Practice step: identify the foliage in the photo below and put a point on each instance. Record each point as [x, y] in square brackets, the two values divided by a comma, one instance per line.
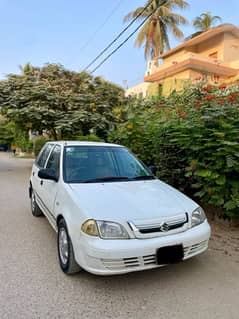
[59, 102]
[205, 21]
[193, 140]
[38, 144]
[22, 141]
[154, 32]
[6, 132]
[11, 134]
[89, 138]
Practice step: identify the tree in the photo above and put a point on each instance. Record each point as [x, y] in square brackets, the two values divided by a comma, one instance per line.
[154, 33]
[26, 69]
[62, 102]
[6, 132]
[205, 21]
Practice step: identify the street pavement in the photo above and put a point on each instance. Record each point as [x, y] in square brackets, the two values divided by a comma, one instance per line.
[33, 286]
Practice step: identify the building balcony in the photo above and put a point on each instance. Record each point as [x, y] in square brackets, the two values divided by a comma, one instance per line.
[189, 61]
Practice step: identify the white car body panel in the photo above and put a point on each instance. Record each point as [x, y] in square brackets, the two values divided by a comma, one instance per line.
[137, 200]
[105, 257]
[140, 202]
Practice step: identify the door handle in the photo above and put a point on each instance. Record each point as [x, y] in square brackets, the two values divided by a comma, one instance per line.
[33, 173]
[41, 182]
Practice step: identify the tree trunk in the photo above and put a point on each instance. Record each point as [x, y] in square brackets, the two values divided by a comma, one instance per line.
[54, 134]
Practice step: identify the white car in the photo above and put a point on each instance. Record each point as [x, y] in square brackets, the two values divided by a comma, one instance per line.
[111, 214]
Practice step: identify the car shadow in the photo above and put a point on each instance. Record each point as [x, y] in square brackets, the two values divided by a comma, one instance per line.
[140, 279]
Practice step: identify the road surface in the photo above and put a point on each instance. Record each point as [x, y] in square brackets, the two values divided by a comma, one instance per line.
[33, 286]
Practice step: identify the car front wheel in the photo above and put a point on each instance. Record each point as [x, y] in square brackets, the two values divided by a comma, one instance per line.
[65, 250]
[34, 207]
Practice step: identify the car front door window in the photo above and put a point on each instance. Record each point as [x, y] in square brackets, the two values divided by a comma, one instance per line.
[49, 188]
[39, 164]
[54, 160]
[41, 159]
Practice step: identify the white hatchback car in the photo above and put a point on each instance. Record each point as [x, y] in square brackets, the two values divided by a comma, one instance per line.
[112, 215]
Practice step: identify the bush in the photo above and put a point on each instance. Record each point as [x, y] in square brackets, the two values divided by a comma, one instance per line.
[38, 144]
[193, 138]
[21, 140]
[89, 138]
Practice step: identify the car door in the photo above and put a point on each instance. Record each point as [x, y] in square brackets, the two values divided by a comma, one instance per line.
[39, 164]
[49, 188]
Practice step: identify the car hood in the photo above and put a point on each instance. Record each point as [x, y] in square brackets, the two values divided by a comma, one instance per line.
[135, 200]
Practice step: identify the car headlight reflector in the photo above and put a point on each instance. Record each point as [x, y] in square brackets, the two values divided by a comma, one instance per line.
[111, 230]
[90, 228]
[198, 216]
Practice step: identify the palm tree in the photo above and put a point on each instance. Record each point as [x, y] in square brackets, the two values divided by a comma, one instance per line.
[205, 21]
[29, 70]
[26, 68]
[154, 32]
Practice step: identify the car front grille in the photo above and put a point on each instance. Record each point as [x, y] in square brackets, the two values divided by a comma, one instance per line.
[191, 250]
[156, 229]
[162, 227]
[132, 262]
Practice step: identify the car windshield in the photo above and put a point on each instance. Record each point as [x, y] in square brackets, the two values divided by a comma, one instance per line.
[92, 164]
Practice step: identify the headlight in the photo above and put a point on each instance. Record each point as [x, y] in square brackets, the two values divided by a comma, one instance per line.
[110, 230]
[90, 228]
[198, 216]
[104, 229]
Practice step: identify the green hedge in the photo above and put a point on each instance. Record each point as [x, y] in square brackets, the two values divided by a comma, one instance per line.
[193, 138]
[21, 140]
[88, 138]
[38, 144]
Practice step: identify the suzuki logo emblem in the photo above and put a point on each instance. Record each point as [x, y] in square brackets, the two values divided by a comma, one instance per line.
[164, 227]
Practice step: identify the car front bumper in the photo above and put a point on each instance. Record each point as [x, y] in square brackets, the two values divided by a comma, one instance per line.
[108, 257]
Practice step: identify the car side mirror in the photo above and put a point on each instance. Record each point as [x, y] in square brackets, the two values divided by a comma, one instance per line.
[48, 173]
[153, 169]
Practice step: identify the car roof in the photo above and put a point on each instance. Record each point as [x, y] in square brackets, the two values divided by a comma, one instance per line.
[83, 143]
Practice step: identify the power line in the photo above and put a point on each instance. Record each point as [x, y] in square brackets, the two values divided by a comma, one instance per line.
[118, 36]
[102, 25]
[131, 34]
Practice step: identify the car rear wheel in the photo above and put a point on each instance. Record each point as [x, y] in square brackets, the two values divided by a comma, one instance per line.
[34, 207]
[65, 250]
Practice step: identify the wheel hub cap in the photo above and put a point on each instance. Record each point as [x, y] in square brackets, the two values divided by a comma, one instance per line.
[33, 202]
[63, 245]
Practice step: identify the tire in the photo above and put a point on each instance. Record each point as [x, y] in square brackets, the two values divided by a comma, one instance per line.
[65, 250]
[36, 212]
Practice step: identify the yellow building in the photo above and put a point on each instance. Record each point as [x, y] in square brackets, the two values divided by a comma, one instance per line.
[211, 56]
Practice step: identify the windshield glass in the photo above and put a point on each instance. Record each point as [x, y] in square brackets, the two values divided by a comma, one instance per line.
[85, 164]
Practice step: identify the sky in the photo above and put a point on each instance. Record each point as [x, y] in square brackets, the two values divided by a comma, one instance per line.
[73, 32]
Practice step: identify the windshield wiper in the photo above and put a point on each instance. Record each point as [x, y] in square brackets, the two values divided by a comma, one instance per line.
[117, 179]
[143, 177]
[106, 179]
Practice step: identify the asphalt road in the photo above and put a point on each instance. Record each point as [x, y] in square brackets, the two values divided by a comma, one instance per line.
[33, 286]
